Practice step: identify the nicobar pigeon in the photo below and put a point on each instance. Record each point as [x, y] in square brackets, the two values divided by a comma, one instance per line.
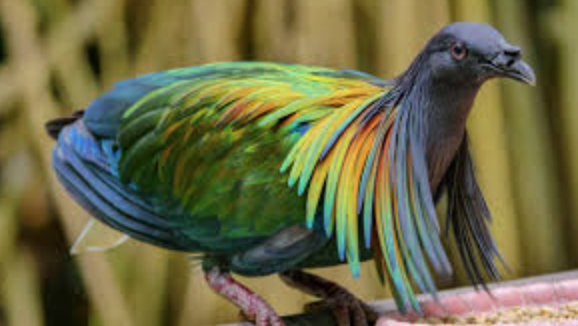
[265, 168]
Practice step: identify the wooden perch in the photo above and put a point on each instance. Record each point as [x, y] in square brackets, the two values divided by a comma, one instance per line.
[385, 307]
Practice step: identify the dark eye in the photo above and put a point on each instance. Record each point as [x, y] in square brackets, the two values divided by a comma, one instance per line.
[458, 51]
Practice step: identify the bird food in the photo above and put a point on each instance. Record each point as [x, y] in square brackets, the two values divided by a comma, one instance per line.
[515, 315]
[544, 300]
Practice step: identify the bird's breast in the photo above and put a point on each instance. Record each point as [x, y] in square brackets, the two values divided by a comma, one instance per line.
[440, 154]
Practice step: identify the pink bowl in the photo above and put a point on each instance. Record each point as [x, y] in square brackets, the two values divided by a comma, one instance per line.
[551, 291]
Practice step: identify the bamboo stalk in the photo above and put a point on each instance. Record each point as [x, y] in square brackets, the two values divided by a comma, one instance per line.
[18, 21]
[153, 53]
[218, 38]
[9, 227]
[21, 292]
[403, 28]
[366, 18]
[568, 112]
[325, 33]
[68, 35]
[274, 30]
[74, 75]
[148, 293]
[113, 41]
[532, 153]
[397, 42]
[10, 140]
[65, 37]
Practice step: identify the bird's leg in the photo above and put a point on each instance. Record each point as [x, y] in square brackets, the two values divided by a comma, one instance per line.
[253, 306]
[347, 308]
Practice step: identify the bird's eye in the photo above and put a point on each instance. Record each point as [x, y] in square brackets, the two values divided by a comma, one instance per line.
[458, 51]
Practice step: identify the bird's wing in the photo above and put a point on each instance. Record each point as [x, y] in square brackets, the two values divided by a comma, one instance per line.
[210, 141]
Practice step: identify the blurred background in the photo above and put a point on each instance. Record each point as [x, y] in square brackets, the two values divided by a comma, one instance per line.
[57, 55]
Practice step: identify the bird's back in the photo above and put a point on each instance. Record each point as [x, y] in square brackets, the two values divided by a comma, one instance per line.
[190, 158]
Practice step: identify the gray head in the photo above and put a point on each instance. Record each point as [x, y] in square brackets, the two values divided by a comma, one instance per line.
[466, 53]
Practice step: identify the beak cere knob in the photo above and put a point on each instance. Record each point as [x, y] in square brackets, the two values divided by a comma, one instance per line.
[509, 64]
[512, 55]
[514, 52]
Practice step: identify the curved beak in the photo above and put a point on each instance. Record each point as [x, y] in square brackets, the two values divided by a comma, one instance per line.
[520, 71]
[509, 64]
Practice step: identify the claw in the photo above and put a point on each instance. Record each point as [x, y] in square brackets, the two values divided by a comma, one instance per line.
[347, 309]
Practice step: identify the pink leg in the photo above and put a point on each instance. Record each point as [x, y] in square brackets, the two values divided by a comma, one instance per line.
[347, 308]
[252, 305]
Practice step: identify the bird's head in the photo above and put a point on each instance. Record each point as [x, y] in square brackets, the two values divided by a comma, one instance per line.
[464, 53]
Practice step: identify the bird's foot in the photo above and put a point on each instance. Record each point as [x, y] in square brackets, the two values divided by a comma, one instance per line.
[346, 307]
[347, 310]
[253, 307]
